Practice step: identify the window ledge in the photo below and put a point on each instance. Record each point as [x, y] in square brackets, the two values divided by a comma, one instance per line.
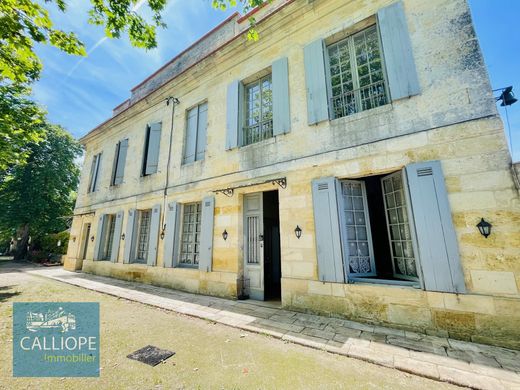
[363, 114]
[268, 141]
[390, 282]
[193, 163]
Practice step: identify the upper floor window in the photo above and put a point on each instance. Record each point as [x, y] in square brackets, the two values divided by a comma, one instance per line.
[94, 173]
[258, 123]
[119, 162]
[151, 149]
[196, 129]
[357, 79]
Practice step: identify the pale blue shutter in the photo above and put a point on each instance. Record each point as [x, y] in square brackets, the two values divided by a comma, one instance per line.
[170, 235]
[121, 160]
[281, 109]
[316, 82]
[327, 230]
[436, 239]
[95, 173]
[153, 242]
[99, 239]
[129, 236]
[206, 236]
[232, 109]
[154, 145]
[202, 128]
[397, 50]
[191, 136]
[117, 236]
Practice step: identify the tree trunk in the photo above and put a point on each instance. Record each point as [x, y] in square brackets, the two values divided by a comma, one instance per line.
[21, 247]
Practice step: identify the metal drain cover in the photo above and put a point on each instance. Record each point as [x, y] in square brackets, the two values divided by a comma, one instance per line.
[151, 355]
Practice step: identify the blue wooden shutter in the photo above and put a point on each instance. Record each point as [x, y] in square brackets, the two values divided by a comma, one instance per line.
[155, 226]
[117, 236]
[232, 109]
[121, 160]
[129, 236]
[202, 127]
[316, 82]
[170, 235]
[397, 50]
[96, 166]
[99, 239]
[436, 239]
[154, 145]
[206, 236]
[191, 136]
[281, 109]
[327, 230]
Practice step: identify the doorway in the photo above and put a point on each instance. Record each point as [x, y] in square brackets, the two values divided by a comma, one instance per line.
[86, 238]
[262, 263]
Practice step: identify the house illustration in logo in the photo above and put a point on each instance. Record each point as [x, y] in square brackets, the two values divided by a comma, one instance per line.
[57, 319]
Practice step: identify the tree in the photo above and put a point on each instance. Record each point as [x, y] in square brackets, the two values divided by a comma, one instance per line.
[37, 198]
[22, 122]
[26, 22]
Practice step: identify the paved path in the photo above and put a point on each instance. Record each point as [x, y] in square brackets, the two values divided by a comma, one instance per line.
[462, 363]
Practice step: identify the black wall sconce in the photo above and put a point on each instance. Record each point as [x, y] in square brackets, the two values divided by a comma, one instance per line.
[123, 236]
[92, 238]
[484, 227]
[73, 238]
[225, 234]
[298, 232]
[162, 232]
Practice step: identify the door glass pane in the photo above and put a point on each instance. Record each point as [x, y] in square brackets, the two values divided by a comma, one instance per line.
[143, 235]
[398, 227]
[253, 252]
[109, 238]
[356, 215]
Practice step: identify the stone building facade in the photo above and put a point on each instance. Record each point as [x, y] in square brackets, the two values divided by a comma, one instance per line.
[340, 164]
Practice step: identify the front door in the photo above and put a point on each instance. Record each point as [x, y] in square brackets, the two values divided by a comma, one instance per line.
[254, 245]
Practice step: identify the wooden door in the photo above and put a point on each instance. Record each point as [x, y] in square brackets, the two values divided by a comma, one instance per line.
[254, 245]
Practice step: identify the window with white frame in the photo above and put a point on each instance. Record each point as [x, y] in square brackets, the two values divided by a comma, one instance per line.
[109, 229]
[190, 234]
[143, 236]
[356, 74]
[258, 124]
[376, 228]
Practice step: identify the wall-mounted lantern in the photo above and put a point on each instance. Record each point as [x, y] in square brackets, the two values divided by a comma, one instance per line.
[123, 236]
[225, 234]
[298, 232]
[92, 238]
[73, 238]
[484, 227]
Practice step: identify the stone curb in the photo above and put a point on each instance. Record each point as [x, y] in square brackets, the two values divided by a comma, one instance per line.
[443, 369]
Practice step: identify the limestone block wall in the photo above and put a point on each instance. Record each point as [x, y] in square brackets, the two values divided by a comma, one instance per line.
[454, 120]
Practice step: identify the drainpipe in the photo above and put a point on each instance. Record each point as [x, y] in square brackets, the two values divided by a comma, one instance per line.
[174, 102]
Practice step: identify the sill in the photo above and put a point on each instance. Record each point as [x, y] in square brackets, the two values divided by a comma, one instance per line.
[192, 163]
[363, 114]
[267, 141]
[138, 262]
[187, 266]
[391, 282]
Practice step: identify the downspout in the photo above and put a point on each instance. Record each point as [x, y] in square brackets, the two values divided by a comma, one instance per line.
[173, 101]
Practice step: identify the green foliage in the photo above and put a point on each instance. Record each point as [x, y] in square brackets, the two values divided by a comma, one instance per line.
[247, 5]
[22, 122]
[49, 243]
[26, 23]
[39, 195]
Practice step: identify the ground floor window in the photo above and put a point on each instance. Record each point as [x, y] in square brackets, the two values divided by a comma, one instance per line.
[190, 234]
[109, 228]
[143, 236]
[375, 224]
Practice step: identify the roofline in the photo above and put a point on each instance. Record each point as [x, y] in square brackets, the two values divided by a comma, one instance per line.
[267, 16]
[235, 14]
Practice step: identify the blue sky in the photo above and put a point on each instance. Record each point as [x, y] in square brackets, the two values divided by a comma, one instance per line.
[81, 93]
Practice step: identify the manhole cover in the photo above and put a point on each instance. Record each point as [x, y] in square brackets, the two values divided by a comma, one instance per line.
[151, 355]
